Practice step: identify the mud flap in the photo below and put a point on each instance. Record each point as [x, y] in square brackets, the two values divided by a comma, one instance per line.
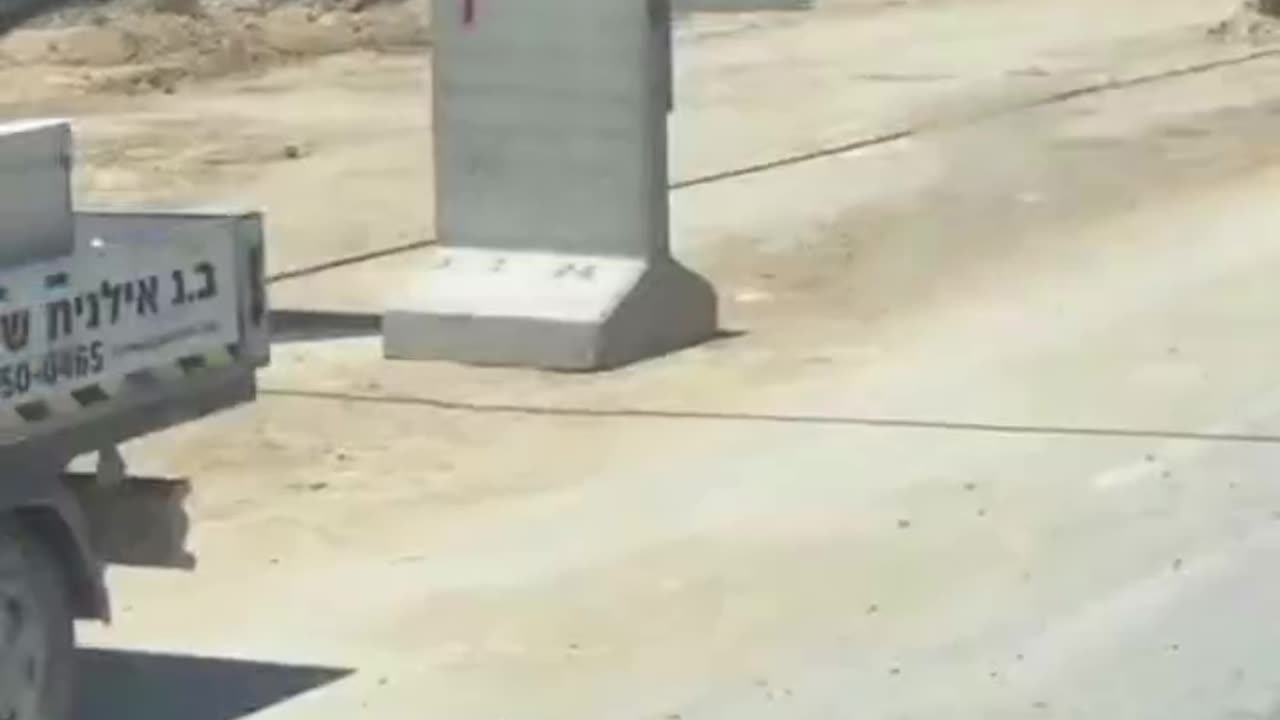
[140, 522]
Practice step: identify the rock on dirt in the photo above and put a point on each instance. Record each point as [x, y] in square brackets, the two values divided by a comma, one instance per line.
[1256, 20]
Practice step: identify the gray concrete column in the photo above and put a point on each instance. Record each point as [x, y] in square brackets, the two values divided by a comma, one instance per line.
[551, 182]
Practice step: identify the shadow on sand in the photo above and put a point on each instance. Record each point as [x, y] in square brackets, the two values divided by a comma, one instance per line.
[293, 326]
[118, 685]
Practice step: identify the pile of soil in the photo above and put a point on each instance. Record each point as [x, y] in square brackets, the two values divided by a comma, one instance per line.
[141, 45]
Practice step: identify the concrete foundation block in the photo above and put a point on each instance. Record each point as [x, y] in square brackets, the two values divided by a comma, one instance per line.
[550, 310]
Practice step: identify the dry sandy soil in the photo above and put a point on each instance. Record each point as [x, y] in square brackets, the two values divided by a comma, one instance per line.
[998, 439]
[143, 46]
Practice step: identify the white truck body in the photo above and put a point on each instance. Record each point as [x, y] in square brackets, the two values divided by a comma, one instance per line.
[112, 326]
[143, 304]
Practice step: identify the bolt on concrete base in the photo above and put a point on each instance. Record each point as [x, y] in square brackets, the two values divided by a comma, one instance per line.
[550, 310]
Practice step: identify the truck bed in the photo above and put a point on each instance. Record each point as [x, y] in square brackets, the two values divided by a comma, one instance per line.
[153, 319]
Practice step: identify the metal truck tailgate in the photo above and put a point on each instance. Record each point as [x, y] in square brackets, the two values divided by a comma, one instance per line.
[145, 308]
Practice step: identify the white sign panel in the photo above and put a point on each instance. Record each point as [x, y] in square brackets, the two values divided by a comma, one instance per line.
[111, 310]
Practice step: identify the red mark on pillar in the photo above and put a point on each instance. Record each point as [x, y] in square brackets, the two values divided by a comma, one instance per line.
[468, 12]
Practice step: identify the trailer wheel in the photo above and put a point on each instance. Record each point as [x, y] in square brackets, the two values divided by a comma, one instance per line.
[37, 634]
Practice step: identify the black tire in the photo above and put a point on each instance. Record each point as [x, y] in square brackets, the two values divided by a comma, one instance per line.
[37, 630]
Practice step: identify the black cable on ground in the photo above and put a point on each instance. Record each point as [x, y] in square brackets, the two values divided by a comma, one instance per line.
[779, 418]
[349, 260]
[845, 147]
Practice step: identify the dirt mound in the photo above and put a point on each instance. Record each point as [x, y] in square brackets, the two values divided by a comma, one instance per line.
[154, 47]
[1255, 21]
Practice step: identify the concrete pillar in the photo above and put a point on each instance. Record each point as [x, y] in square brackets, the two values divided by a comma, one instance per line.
[551, 182]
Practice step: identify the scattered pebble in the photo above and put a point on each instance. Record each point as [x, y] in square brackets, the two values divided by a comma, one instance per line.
[904, 524]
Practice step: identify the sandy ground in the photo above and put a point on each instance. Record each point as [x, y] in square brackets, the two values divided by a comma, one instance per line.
[996, 439]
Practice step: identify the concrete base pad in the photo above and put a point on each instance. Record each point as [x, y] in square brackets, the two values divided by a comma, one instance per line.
[549, 310]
